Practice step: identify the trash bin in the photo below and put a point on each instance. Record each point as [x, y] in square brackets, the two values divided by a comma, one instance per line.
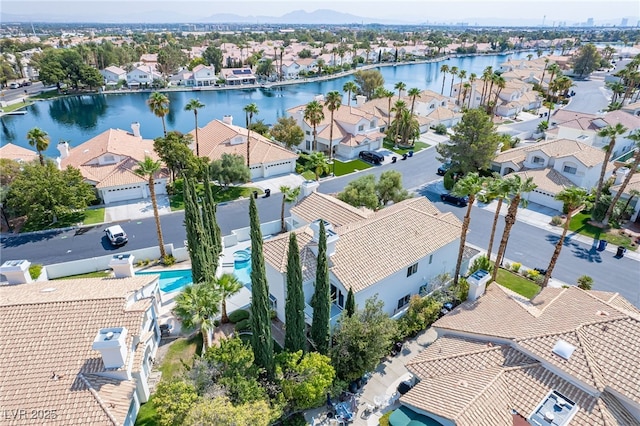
[404, 156]
[602, 244]
[267, 193]
[621, 251]
[255, 194]
[410, 153]
[393, 159]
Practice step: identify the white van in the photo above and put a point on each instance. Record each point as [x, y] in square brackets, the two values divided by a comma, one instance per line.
[14, 85]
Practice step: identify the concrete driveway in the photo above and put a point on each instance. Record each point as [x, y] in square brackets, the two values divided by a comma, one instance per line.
[130, 210]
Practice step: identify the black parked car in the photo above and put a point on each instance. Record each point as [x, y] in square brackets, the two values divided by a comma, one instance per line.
[371, 157]
[442, 170]
[453, 199]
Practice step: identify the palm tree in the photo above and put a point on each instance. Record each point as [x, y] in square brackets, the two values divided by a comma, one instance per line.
[197, 306]
[544, 71]
[444, 69]
[289, 195]
[314, 115]
[159, 106]
[317, 162]
[617, 88]
[553, 69]
[486, 76]
[612, 133]
[333, 102]
[350, 87]
[400, 86]
[462, 74]
[148, 169]
[413, 93]
[227, 285]
[389, 95]
[496, 189]
[632, 194]
[517, 187]
[454, 72]
[501, 84]
[194, 105]
[573, 199]
[250, 110]
[635, 136]
[398, 107]
[468, 186]
[39, 139]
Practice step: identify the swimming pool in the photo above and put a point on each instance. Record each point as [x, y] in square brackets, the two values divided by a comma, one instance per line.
[174, 280]
[242, 266]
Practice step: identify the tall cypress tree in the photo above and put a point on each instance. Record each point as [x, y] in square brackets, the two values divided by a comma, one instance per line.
[321, 301]
[261, 340]
[350, 306]
[294, 338]
[211, 225]
[196, 237]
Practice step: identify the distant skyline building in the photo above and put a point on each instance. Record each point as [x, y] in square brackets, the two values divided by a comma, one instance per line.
[590, 22]
[624, 22]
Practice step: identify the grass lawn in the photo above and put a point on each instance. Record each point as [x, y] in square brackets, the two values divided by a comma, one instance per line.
[14, 107]
[309, 175]
[181, 351]
[520, 285]
[220, 195]
[98, 274]
[342, 168]
[147, 414]
[417, 147]
[579, 223]
[92, 216]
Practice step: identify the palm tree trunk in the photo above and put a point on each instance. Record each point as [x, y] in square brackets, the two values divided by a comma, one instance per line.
[224, 318]
[249, 149]
[331, 139]
[195, 112]
[627, 179]
[41, 157]
[607, 156]
[556, 252]
[509, 220]
[493, 228]
[164, 127]
[463, 238]
[154, 203]
[283, 228]
[626, 205]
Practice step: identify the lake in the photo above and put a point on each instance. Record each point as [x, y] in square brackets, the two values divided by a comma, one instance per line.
[79, 118]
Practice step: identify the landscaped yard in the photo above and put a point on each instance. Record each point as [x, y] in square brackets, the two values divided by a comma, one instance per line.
[98, 274]
[520, 285]
[579, 223]
[417, 147]
[92, 216]
[221, 195]
[14, 107]
[85, 217]
[344, 168]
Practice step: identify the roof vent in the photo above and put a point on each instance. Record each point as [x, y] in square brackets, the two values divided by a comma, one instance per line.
[555, 409]
[563, 349]
[463, 384]
[111, 342]
[602, 313]
[48, 290]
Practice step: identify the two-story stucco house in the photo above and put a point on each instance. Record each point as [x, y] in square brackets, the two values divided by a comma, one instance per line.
[394, 253]
[78, 351]
[238, 76]
[293, 68]
[142, 76]
[113, 75]
[108, 162]
[354, 131]
[553, 165]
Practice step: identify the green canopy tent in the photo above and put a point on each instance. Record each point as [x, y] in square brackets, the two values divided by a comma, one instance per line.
[404, 416]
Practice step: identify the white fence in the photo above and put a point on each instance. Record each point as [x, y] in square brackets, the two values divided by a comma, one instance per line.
[243, 234]
[101, 263]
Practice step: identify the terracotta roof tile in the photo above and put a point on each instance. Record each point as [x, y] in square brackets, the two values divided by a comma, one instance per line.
[331, 209]
[548, 180]
[18, 153]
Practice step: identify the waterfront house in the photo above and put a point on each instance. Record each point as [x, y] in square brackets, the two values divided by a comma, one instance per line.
[113, 75]
[142, 76]
[268, 159]
[200, 76]
[108, 162]
[292, 69]
[394, 253]
[567, 357]
[354, 131]
[238, 76]
[584, 128]
[17, 153]
[554, 165]
[78, 351]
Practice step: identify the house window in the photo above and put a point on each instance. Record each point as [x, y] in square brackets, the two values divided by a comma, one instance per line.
[430, 259]
[569, 169]
[372, 125]
[538, 160]
[361, 127]
[340, 299]
[308, 132]
[334, 293]
[404, 301]
[412, 269]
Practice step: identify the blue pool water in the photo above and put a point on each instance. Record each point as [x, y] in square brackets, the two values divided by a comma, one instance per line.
[178, 279]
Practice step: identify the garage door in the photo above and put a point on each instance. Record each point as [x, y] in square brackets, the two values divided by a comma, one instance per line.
[279, 168]
[122, 194]
[544, 199]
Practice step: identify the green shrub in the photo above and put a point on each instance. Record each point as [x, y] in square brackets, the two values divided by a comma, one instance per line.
[461, 291]
[585, 282]
[556, 220]
[440, 129]
[168, 260]
[243, 325]
[295, 420]
[449, 181]
[515, 267]
[532, 274]
[480, 262]
[422, 312]
[239, 315]
[538, 279]
[384, 420]
[35, 270]
[273, 314]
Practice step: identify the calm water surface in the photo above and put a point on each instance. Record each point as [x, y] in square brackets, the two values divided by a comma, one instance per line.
[79, 118]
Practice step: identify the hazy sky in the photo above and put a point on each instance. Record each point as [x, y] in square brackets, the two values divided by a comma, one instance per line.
[408, 11]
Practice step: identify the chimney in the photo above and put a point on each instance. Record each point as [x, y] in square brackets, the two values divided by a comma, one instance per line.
[477, 284]
[620, 174]
[135, 129]
[360, 100]
[63, 147]
[16, 271]
[319, 98]
[122, 265]
[112, 344]
[332, 237]
[228, 119]
[308, 186]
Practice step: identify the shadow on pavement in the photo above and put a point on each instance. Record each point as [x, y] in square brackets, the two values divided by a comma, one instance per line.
[18, 240]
